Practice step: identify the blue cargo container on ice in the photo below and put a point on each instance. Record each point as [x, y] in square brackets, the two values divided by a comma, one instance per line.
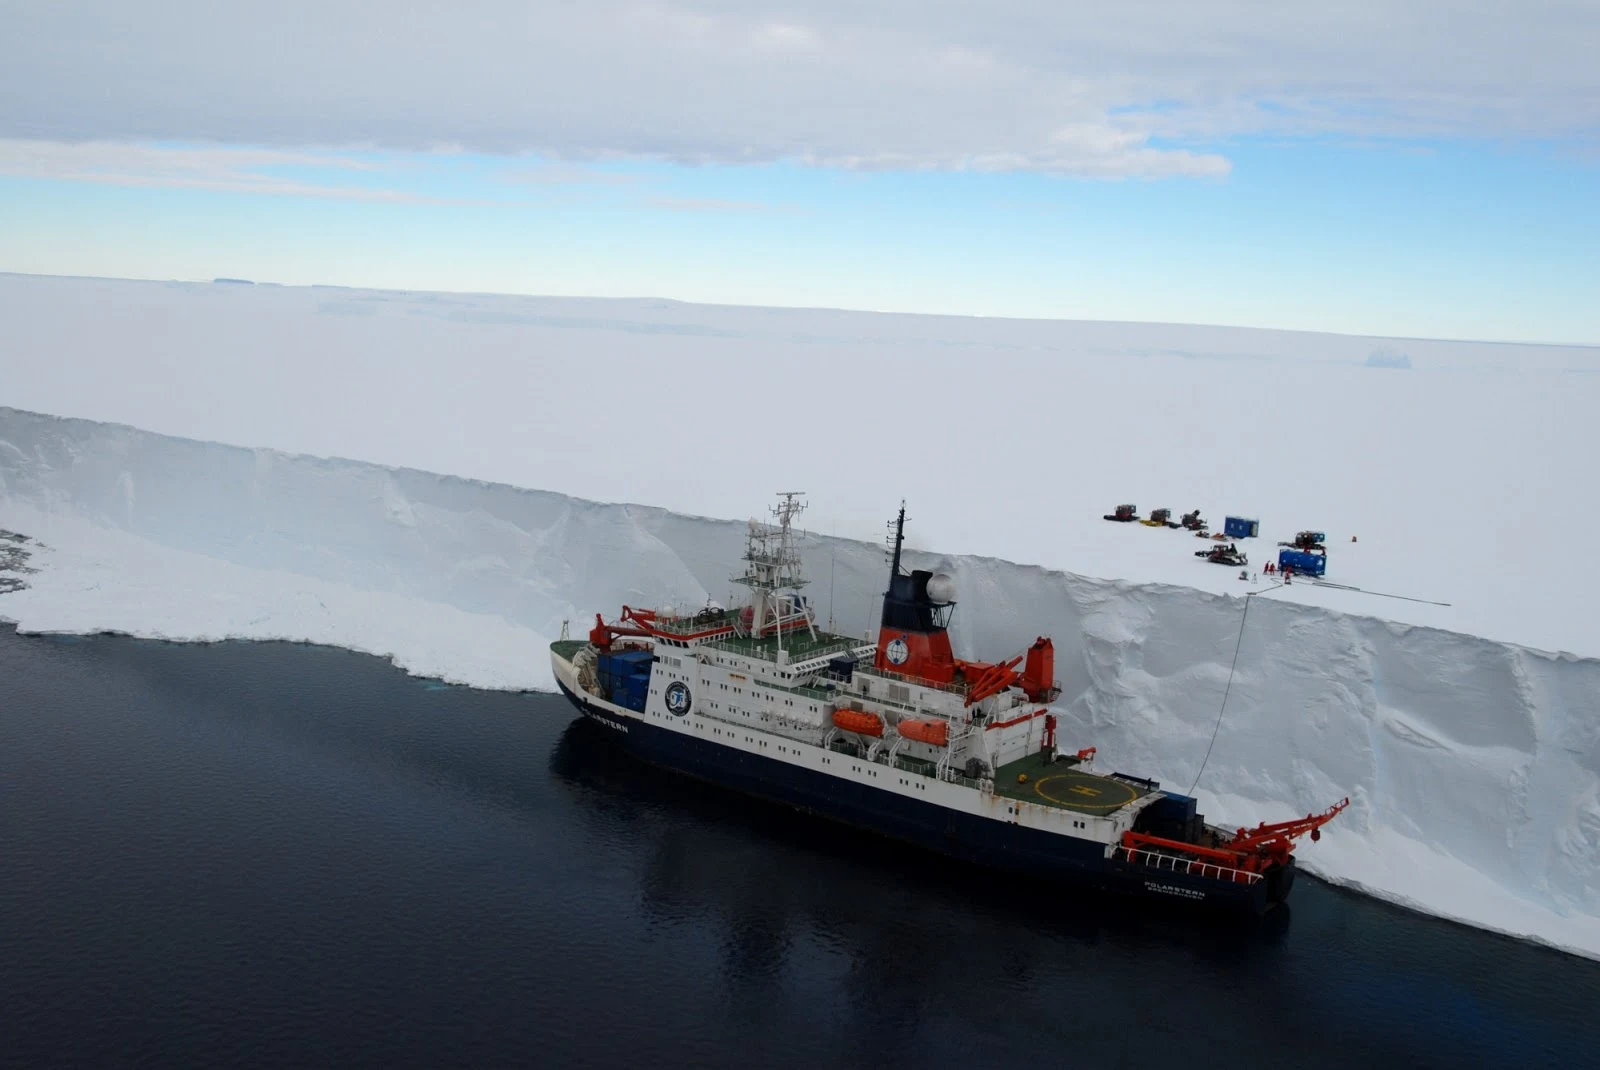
[1303, 562]
[1237, 527]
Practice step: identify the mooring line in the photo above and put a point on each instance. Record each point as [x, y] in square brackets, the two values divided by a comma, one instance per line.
[1237, 643]
[1380, 594]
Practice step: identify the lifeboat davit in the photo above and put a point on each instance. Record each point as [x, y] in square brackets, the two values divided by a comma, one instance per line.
[860, 721]
[936, 733]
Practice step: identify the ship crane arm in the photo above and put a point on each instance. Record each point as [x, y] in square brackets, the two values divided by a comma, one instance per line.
[1277, 840]
[1252, 850]
[602, 634]
[991, 679]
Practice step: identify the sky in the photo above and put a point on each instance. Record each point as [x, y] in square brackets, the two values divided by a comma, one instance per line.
[1412, 170]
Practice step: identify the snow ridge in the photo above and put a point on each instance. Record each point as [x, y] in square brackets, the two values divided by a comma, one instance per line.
[1473, 765]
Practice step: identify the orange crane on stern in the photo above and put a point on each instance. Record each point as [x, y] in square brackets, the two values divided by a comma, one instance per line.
[1251, 850]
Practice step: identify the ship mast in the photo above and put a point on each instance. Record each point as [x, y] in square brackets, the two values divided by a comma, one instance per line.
[897, 539]
[772, 565]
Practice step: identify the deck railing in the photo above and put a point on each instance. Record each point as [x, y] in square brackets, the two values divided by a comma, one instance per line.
[919, 766]
[952, 777]
[770, 653]
[1192, 866]
[696, 622]
[885, 674]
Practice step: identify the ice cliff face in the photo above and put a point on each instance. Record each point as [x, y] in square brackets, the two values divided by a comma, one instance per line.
[1473, 766]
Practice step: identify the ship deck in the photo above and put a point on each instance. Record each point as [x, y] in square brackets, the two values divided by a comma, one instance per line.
[567, 648]
[798, 645]
[1062, 785]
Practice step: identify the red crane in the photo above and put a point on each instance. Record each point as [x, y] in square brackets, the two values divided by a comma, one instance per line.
[1250, 850]
[1275, 842]
[602, 633]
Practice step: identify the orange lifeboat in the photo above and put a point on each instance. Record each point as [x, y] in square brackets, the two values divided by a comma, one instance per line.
[936, 733]
[867, 724]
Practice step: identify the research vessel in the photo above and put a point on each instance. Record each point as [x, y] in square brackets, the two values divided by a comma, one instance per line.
[900, 737]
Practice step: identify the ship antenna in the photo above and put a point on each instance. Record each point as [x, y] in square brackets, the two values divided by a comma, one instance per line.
[899, 539]
[832, 552]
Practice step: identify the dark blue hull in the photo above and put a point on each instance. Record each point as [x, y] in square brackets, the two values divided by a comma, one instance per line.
[968, 837]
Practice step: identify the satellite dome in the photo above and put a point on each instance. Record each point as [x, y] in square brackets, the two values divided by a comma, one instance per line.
[941, 588]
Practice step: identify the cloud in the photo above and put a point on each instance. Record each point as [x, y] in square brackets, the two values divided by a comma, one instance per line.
[223, 168]
[544, 173]
[1054, 86]
[711, 204]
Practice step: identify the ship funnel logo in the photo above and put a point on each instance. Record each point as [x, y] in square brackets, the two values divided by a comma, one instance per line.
[897, 651]
[678, 699]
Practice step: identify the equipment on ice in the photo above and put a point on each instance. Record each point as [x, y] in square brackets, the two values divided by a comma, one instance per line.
[1224, 555]
[1238, 527]
[1304, 562]
[1308, 540]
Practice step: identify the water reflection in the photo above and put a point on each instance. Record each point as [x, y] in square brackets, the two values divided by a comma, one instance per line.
[901, 945]
[284, 854]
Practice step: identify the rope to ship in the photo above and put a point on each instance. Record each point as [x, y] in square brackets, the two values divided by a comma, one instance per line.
[1237, 643]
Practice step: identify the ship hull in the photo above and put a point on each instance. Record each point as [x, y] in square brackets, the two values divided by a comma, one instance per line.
[968, 837]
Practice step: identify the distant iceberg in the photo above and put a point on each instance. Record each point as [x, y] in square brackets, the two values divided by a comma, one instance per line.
[1385, 357]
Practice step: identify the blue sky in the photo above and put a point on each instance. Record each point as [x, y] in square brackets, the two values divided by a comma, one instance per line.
[894, 170]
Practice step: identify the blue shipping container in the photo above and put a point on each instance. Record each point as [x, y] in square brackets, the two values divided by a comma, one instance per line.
[1237, 527]
[626, 663]
[1175, 808]
[1303, 562]
[629, 701]
[629, 690]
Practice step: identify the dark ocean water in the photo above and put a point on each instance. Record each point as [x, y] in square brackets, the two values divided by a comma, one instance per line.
[282, 855]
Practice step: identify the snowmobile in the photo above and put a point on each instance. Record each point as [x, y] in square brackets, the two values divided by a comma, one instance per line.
[1307, 540]
[1224, 555]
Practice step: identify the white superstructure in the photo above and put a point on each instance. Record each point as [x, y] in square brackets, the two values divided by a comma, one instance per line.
[899, 735]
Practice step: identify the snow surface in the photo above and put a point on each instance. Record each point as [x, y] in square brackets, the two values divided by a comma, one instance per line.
[1464, 468]
[1473, 764]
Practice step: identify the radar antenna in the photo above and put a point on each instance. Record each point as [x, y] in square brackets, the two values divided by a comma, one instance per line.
[772, 564]
[896, 539]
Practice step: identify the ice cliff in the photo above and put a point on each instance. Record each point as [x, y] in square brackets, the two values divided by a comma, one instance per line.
[1473, 765]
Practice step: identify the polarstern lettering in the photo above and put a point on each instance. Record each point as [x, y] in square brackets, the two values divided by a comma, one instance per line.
[603, 719]
[1173, 889]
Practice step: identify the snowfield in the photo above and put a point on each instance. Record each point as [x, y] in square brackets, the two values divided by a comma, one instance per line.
[1473, 765]
[1450, 686]
[1463, 476]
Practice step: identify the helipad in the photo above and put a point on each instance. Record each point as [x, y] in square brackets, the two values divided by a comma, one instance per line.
[1061, 784]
